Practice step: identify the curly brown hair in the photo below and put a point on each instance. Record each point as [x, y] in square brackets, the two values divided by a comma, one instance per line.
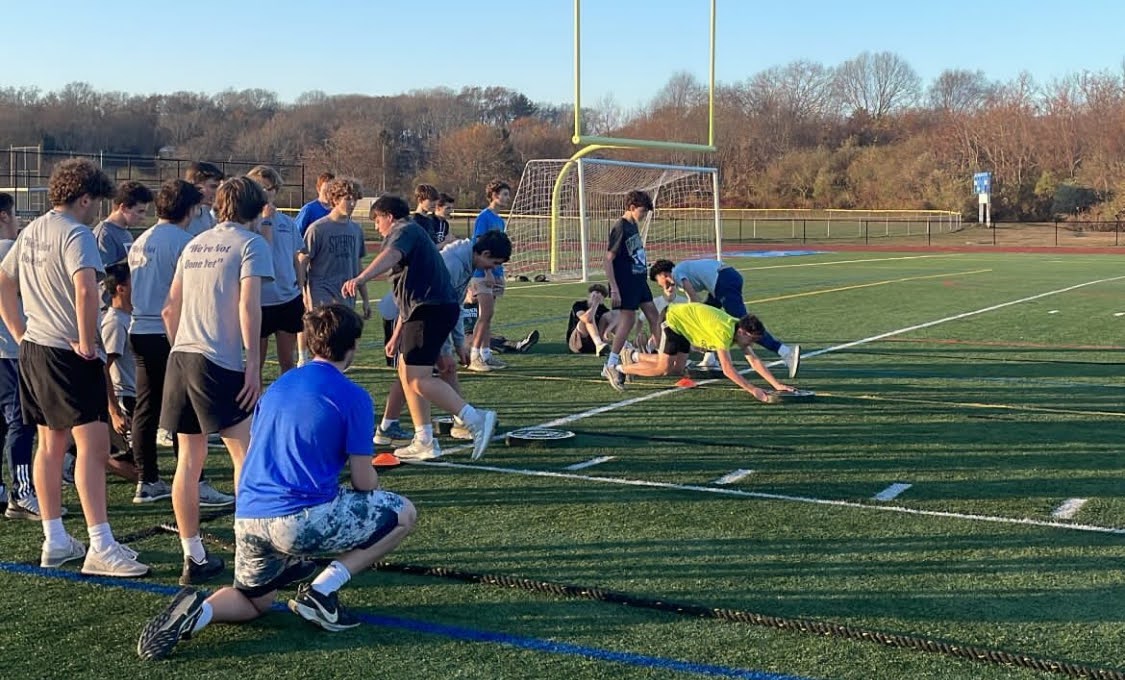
[342, 187]
[77, 177]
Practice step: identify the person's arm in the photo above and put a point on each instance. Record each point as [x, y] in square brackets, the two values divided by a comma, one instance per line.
[172, 308]
[250, 322]
[87, 299]
[689, 291]
[761, 369]
[391, 348]
[385, 261]
[735, 377]
[364, 477]
[10, 307]
[116, 416]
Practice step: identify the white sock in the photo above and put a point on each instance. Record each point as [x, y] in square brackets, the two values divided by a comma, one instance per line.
[101, 537]
[387, 424]
[207, 611]
[784, 350]
[457, 421]
[425, 435]
[54, 532]
[193, 548]
[330, 580]
[468, 414]
[620, 368]
[474, 353]
[486, 353]
[614, 359]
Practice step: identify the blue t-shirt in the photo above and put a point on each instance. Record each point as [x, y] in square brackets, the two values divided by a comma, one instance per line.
[488, 221]
[309, 213]
[305, 427]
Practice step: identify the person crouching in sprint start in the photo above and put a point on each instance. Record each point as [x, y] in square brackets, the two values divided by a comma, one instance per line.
[309, 424]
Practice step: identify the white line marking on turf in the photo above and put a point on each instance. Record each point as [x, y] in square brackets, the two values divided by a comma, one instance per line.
[891, 492]
[1069, 508]
[726, 491]
[582, 415]
[590, 463]
[732, 477]
[1053, 311]
[1120, 314]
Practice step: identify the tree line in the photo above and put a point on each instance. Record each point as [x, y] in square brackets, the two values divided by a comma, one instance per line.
[866, 133]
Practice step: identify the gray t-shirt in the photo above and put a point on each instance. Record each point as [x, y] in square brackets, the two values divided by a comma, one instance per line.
[286, 244]
[8, 347]
[420, 278]
[114, 242]
[152, 263]
[210, 271]
[202, 221]
[46, 256]
[115, 339]
[334, 249]
[458, 257]
[701, 274]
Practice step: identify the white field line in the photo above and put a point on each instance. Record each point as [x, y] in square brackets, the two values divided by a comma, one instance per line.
[582, 415]
[891, 492]
[726, 491]
[732, 477]
[589, 463]
[1069, 508]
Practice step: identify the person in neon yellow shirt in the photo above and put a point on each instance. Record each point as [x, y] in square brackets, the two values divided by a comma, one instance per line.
[709, 328]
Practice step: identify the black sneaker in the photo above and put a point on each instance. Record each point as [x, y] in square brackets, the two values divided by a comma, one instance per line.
[195, 573]
[527, 343]
[173, 624]
[295, 573]
[321, 610]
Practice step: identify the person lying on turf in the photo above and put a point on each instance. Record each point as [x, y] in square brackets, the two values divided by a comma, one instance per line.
[708, 328]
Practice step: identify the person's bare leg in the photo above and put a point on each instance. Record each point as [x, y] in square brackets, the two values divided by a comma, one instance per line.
[286, 351]
[396, 399]
[625, 318]
[653, 317]
[237, 440]
[264, 351]
[91, 442]
[422, 389]
[185, 484]
[47, 471]
[229, 605]
[654, 365]
[482, 333]
[447, 371]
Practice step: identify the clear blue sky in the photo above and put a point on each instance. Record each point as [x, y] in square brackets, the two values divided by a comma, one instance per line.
[630, 47]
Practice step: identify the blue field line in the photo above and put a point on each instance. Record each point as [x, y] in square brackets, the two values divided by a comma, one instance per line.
[428, 628]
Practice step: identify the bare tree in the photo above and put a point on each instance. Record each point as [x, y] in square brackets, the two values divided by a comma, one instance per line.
[960, 91]
[878, 84]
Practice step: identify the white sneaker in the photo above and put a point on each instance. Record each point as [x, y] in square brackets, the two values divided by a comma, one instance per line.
[461, 431]
[55, 557]
[164, 437]
[792, 358]
[26, 507]
[210, 497]
[479, 365]
[115, 561]
[416, 450]
[482, 431]
[495, 364]
[710, 362]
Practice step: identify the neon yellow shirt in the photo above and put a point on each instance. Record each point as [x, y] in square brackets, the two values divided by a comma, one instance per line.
[704, 326]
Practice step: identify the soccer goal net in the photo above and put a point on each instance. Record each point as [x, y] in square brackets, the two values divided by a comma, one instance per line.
[563, 211]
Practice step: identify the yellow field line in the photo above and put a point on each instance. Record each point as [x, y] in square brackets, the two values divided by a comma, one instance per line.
[839, 289]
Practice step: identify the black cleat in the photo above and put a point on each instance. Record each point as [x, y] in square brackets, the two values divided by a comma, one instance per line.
[161, 634]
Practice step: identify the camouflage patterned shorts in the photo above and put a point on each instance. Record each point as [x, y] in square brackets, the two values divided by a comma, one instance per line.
[264, 548]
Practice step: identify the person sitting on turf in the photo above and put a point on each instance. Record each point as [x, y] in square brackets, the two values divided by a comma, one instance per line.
[590, 322]
[711, 329]
[311, 423]
[722, 285]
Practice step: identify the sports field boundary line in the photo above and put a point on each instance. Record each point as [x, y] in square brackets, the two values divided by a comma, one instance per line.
[869, 284]
[444, 630]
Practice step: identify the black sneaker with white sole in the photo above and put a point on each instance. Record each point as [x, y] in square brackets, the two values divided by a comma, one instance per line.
[320, 610]
[527, 343]
[195, 573]
[175, 623]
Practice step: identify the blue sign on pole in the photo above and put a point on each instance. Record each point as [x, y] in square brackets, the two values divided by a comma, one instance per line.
[982, 182]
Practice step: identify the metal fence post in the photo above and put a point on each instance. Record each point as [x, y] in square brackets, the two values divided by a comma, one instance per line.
[804, 231]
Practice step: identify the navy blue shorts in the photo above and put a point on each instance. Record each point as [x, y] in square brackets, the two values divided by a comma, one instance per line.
[728, 293]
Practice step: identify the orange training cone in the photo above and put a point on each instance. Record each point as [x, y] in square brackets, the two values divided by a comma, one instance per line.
[385, 460]
[686, 382]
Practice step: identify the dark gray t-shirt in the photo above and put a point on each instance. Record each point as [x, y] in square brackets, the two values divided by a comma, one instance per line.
[421, 277]
[152, 263]
[115, 339]
[8, 347]
[334, 249]
[286, 244]
[211, 270]
[46, 256]
[114, 242]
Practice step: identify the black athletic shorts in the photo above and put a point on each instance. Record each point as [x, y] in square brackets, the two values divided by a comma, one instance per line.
[634, 292]
[425, 332]
[60, 389]
[672, 343]
[200, 397]
[288, 317]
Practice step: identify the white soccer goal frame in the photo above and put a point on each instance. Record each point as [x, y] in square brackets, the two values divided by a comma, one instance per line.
[581, 166]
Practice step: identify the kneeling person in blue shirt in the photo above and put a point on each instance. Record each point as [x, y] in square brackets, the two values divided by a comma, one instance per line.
[309, 425]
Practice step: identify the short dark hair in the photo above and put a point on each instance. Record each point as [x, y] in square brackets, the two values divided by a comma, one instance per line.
[638, 199]
[116, 274]
[132, 193]
[494, 187]
[598, 288]
[752, 325]
[394, 206]
[425, 192]
[7, 203]
[660, 267]
[239, 199]
[198, 173]
[77, 177]
[445, 199]
[176, 199]
[323, 178]
[495, 242]
[332, 330]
